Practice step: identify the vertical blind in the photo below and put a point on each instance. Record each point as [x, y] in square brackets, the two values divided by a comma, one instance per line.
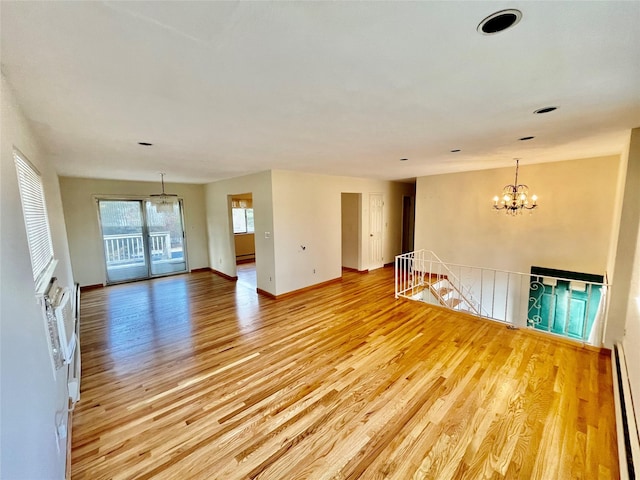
[35, 216]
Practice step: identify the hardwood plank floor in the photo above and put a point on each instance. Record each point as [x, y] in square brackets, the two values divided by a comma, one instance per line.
[197, 377]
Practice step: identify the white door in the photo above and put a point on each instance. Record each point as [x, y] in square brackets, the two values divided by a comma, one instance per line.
[375, 230]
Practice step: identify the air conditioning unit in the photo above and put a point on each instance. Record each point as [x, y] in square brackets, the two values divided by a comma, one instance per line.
[62, 314]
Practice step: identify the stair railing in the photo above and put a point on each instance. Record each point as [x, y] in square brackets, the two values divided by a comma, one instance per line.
[472, 305]
[429, 259]
[520, 299]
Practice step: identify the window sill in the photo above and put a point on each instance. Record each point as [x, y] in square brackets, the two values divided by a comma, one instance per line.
[47, 275]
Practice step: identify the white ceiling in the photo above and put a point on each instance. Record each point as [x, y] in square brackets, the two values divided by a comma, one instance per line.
[224, 89]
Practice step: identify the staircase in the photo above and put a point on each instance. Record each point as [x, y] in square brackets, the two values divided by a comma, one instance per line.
[445, 293]
[422, 276]
[572, 308]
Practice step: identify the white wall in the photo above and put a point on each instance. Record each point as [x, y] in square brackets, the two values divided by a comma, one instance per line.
[624, 313]
[569, 231]
[351, 229]
[83, 229]
[220, 232]
[307, 212]
[632, 333]
[297, 210]
[245, 244]
[30, 395]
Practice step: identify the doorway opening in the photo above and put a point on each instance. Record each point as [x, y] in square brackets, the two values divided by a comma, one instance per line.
[408, 223]
[141, 241]
[351, 205]
[244, 244]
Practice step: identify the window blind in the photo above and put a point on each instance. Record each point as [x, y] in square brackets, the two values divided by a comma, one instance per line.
[36, 220]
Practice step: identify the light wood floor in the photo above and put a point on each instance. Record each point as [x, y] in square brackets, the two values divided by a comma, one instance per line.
[196, 377]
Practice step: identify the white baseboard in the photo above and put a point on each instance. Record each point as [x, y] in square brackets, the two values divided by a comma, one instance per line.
[626, 427]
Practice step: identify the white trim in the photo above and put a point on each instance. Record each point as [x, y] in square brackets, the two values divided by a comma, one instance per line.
[45, 278]
[623, 378]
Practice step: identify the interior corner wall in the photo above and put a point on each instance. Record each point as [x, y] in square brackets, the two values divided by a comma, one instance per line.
[570, 230]
[30, 395]
[307, 213]
[624, 310]
[83, 227]
[632, 331]
[627, 239]
[219, 227]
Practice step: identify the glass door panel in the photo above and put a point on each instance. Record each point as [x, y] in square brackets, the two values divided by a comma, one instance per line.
[123, 230]
[166, 238]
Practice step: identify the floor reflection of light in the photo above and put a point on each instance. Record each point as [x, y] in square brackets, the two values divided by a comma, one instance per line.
[247, 307]
[145, 320]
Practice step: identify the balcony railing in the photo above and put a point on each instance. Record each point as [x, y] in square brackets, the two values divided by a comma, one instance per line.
[128, 249]
[560, 306]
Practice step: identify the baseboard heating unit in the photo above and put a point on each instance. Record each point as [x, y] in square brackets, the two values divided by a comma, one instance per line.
[627, 429]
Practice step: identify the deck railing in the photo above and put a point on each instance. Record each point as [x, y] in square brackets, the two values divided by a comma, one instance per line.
[560, 306]
[125, 249]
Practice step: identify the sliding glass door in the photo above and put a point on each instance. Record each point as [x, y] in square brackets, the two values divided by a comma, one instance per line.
[123, 239]
[141, 240]
[166, 240]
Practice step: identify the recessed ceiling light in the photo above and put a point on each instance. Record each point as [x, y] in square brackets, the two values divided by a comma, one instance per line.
[404, 159]
[455, 150]
[499, 21]
[526, 138]
[145, 144]
[545, 110]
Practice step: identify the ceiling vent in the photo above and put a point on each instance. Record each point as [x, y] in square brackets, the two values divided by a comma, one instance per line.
[499, 21]
[545, 110]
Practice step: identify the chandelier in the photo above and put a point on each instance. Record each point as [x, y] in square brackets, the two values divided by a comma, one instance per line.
[164, 202]
[515, 198]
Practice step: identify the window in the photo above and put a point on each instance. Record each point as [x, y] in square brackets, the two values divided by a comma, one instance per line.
[242, 220]
[36, 221]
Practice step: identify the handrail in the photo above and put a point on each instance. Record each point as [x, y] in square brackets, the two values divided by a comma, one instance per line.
[568, 307]
[133, 235]
[126, 248]
[509, 271]
[471, 301]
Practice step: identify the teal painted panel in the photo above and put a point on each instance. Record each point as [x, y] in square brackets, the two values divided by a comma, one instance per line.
[563, 311]
[576, 317]
[548, 311]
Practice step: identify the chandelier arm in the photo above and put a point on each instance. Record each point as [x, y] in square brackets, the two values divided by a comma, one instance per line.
[515, 197]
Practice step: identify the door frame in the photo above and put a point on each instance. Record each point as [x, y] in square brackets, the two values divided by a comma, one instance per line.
[377, 264]
[359, 242]
[145, 235]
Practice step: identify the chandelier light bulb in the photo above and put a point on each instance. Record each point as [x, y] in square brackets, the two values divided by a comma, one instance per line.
[515, 197]
[164, 202]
